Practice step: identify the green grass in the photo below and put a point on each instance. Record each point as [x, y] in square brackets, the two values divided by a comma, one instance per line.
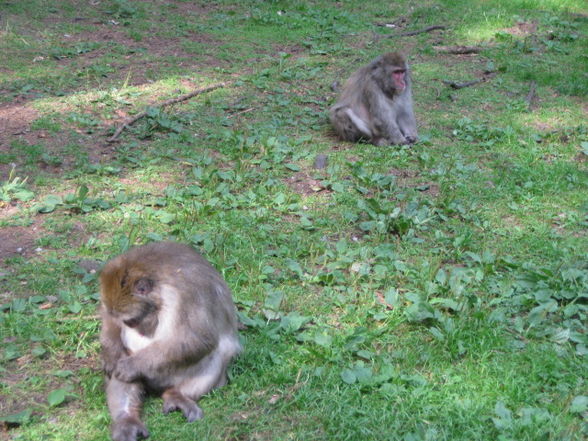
[437, 292]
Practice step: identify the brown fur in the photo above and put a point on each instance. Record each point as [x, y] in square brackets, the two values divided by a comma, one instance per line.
[169, 326]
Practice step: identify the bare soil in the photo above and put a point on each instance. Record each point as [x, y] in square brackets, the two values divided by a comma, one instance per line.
[302, 183]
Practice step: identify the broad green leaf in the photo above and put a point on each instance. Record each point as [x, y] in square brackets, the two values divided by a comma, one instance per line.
[579, 404]
[75, 307]
[323, 339]
[49, 204]
[38, 351]
[348, 376]
[17, 418]
[56, 397]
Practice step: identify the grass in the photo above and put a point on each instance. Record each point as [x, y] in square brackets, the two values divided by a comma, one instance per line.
[437, 292]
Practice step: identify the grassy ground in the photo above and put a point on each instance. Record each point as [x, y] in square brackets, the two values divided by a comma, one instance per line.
[433, 292]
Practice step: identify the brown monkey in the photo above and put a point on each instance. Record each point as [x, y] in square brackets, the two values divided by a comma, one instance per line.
[376, 104]
[168, 327]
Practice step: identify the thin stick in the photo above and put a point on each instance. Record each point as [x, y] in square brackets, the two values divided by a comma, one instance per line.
[455, 85]
[459, 50]
[531, 96]
[421, 31]
[241, 112]
[179, 99]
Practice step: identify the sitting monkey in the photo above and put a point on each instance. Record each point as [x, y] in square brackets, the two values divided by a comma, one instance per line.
[376, 104]
[168, 327]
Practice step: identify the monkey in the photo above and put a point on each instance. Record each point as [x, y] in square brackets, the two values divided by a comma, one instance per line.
[376, 104]
[169, 327]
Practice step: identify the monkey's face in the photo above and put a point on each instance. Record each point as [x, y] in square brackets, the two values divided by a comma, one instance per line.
[129, 298]
[399, 78]
[391, 73]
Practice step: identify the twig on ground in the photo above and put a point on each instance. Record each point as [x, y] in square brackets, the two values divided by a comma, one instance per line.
[179, 99]
[232, 115]
[420, 31]
[531, 96]
[459, 50]
[455, 85]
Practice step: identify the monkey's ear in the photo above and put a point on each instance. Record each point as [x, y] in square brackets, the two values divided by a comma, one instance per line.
[143, 286]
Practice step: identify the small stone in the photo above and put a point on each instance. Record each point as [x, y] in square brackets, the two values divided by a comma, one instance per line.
[320, 161]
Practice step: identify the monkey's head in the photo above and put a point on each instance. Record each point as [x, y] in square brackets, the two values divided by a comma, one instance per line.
[128, 291]
[390, 71]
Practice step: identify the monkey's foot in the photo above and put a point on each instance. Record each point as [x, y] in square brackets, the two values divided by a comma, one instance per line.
[128, 429]
[173, 400]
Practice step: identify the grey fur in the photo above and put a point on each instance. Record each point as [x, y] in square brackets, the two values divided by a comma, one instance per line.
[371, 108]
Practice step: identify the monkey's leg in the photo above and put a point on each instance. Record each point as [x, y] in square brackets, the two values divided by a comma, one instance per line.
[124, 403]
[358, 124]
[208, 374]
[173, 399]
[345, 122]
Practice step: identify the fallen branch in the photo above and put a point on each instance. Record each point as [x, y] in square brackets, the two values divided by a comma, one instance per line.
[179, 99]
[531, 96]
[232, 115]
[421, 31]
[455, 85]
[459, 50]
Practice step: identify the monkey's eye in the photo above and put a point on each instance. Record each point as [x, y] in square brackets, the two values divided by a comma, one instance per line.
[399, 71]
[143, 287]
[132, 323]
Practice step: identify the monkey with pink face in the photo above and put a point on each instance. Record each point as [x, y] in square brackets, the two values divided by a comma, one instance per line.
[376, 104]
[169, 327]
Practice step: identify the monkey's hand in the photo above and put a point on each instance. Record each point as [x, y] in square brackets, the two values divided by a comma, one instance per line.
[109, 359]
[128, 429]
[127, 370]
[380, 142]
[411, 139]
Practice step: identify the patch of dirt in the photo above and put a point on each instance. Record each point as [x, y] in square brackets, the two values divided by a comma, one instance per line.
[339, 147]
[543, 126]
[156, 186]
[302, 183]
[407, 179]
[52, 145]
[133, 66]
[153, 44]
[292, 49]
[197, 8]
[403, 173]
[428, 188]
[18, 241]
[15, 125]
[78, 235]
[15, 119]
[522, 28]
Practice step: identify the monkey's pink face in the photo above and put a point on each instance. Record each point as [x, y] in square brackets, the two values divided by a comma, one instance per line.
[398, 76]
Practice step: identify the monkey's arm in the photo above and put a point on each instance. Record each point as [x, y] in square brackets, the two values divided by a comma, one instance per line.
[183, 349]
[384, 127]
[406, 120]
[112, 346]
